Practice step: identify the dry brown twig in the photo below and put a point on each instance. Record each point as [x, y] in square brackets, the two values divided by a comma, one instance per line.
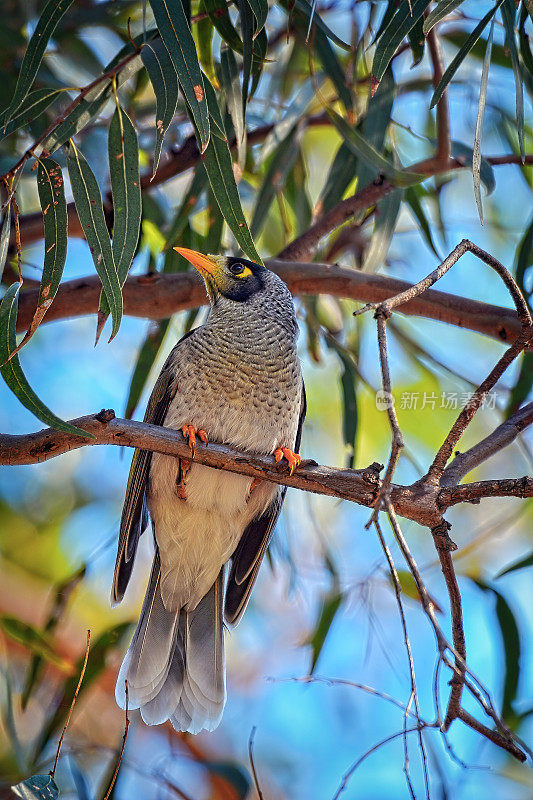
[71, 709]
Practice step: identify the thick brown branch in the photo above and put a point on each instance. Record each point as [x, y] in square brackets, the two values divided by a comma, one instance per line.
[159, 296]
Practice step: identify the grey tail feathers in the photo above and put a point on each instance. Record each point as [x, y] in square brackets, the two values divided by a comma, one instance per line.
[175, 662]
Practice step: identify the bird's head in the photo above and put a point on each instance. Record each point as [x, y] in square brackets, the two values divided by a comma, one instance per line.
[234, 278]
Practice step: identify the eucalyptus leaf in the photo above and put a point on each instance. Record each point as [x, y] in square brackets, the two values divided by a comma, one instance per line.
[164, 80]
[365, 151]
[176, 34]
[462, 54]
[34, 104]
[405, 18]
[46, 25]
[4, 238]
[88, 202]
[441, 10]
[11, 370]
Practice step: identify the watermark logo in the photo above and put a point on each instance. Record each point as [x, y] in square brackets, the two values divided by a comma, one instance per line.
[384, 400]
[420, 401]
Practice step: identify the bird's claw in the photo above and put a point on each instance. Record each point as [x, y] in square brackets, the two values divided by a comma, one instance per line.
[190, 433]
[293, 459]
[183, 467]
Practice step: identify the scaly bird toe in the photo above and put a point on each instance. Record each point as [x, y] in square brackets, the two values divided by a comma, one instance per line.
[190, 433]
[293, 459]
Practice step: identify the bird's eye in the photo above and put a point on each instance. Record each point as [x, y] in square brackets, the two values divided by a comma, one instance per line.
[236, 268]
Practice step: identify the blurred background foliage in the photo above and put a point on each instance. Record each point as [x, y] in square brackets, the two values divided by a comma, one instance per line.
[304, 132]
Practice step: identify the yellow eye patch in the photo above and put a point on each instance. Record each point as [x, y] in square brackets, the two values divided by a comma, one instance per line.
[244, 274]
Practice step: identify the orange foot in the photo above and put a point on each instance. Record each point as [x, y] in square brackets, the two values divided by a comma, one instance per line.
[184, 466]
[190, 433]
[254, 484]
[293, 459]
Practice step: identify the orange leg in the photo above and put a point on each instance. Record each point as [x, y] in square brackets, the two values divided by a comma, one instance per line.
[183, 467]
[255, 483]
[293, 459]
[190, 433]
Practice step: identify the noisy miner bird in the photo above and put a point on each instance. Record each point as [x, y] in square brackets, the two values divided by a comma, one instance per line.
[235, 380]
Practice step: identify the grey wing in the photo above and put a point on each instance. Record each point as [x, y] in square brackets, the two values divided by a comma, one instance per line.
[134, 520]
[248, 555]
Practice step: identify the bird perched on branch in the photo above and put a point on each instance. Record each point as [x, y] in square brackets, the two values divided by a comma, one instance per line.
[235, 380]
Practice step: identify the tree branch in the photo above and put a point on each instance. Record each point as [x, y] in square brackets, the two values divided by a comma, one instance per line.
[157, 296]
[443, 106]
[504, 434]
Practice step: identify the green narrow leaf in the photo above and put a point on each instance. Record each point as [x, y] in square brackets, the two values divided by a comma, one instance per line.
[218, 13]
[375, 125]
[333, 69]
[51, 190]
[307, 12]
[281, 162]
[219, 168]
[512, 649]
[390, 11]
[413, 197]
[522, 563]
[297, 195]
[397, 29]
[417, 41]
[362, 148]
[260, 12]
[126, 189]
[123, 149]
[11, 370]
[341, 174]
[35, 641]
[203, 36]
[508, 16]
[95, 100]
[163, 77]
[177, 36]
[247, 31]
[148, 353]
[63, 591]
[4, 238]
[215, 225]
[330, 606]
[462, 54]
[33, 105]
[386, 216]
[349, 382]
[88, 202]
[476, 158]
[38, 787]
[441, 10]
[525, 49]
[258, 59]
[229, 72]
[189, 202]
[46, 25]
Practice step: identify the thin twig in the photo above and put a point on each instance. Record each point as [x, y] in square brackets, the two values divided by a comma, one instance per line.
[397, 438]
[414, 692]
[443, 153]
[71, 709]
[124, 737]
[252, 764]
[503, 435]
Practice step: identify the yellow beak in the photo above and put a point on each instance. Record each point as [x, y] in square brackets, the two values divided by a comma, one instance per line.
[198, 260]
